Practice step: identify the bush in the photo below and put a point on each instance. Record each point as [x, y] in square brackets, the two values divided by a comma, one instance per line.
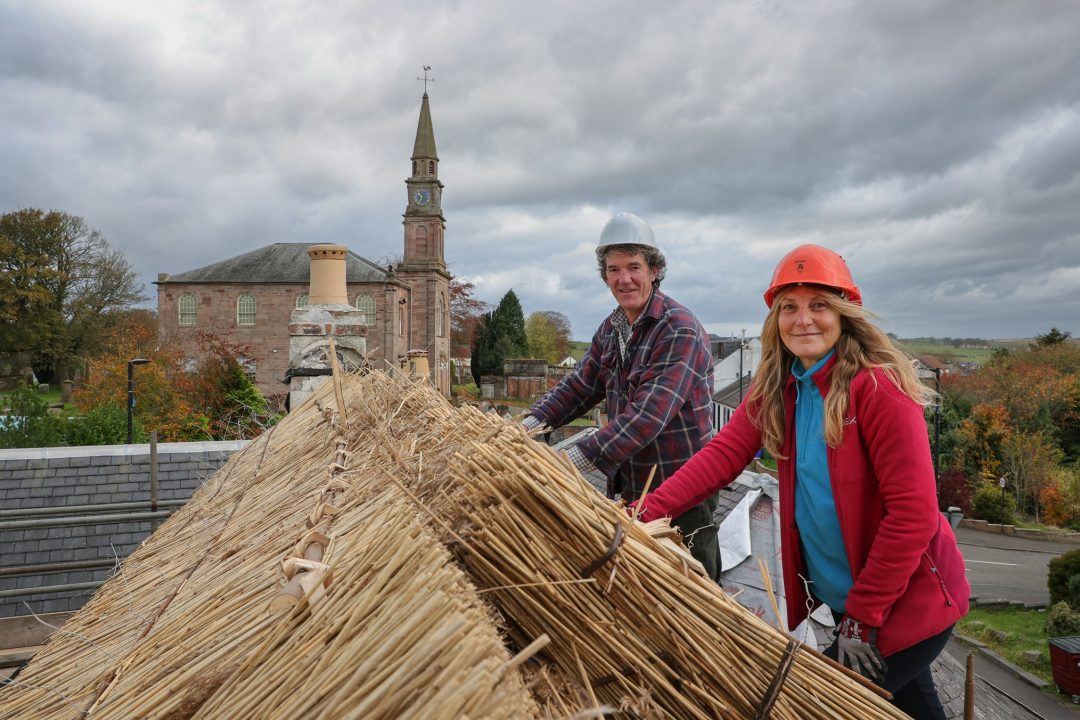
[953, 490]
[1062, 621]
[28, 422]
[1056, 510]
[1059, 578]
[103, 425]
[986, 505]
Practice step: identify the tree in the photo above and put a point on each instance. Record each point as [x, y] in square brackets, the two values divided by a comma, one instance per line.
[465, 311]
[548, 335]
[1052, 337]
[62, 287]
[508, 328]
[482, 349]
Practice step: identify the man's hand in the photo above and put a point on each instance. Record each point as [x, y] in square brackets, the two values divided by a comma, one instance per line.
[534, 425]
[582, 463]
[856, 648]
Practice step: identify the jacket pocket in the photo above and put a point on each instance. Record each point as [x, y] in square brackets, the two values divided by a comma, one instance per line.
[936, 574]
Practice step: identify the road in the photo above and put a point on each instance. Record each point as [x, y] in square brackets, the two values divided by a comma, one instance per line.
[1008, 568]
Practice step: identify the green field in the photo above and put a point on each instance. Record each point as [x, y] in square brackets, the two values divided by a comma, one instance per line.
[948, 353]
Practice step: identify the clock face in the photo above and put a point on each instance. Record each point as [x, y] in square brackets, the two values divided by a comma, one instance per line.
[422, 197]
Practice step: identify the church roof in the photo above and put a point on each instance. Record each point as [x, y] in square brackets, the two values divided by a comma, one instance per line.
[425, 134]
[277, 263]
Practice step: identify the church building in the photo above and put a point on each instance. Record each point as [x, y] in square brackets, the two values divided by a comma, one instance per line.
[248, 299]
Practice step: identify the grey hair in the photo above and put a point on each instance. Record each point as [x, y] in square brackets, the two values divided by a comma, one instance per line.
[653, 257]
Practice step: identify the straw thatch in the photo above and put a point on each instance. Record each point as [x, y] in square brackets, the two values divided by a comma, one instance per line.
[205, 619]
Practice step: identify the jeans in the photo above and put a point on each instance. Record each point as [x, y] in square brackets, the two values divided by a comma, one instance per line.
[909, 679]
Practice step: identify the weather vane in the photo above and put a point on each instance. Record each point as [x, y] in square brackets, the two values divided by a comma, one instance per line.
[426, 79]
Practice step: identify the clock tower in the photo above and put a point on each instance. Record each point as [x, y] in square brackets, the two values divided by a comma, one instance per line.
[423, 264]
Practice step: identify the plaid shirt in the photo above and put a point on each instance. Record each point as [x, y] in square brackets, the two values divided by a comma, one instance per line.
[659, 398]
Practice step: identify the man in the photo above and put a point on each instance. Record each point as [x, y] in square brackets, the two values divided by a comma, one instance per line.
[650, 361]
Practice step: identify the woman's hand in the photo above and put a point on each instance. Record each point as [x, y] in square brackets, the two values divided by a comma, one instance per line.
[856, 648]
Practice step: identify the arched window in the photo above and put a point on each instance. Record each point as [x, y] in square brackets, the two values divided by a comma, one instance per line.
[302, 301]
[366, 304]
[414, 167]
[431, 167]
[189, 309]
[440, 317]
[245, 309]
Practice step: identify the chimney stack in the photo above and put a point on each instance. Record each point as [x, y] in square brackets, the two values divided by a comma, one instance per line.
[328, 313]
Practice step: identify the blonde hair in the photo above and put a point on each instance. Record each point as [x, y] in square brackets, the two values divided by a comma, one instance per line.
[861, 345]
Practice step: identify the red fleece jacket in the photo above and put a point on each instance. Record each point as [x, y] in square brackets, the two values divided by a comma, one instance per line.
[908, 571]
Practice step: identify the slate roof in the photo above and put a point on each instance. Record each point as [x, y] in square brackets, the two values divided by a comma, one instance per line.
[277, 263]
[728, 396]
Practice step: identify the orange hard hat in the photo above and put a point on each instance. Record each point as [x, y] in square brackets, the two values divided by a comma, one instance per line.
[813, 265]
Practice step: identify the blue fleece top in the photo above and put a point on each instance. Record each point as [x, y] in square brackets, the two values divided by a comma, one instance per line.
[815, 508]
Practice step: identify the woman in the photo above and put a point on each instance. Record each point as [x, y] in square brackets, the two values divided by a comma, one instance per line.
[841, 409]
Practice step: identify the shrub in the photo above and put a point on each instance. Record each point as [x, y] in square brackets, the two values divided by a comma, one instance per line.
[1056, 510]
[954, 490]
[1061, 571]
[1062, 621]
[986, 504]
[28, 422]
[103, 425]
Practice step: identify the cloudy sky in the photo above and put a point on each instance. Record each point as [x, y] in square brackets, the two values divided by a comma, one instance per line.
[936, 145]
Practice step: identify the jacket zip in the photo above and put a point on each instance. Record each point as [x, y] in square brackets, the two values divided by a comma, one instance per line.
[937, 575]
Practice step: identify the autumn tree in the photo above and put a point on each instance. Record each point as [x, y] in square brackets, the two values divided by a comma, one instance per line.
[465, 312]
[62, 288]
[548, 335]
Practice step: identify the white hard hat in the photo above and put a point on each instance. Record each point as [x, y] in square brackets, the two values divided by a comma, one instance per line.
[626, 229]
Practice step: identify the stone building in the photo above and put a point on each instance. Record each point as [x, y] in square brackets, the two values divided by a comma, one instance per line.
[249, 298]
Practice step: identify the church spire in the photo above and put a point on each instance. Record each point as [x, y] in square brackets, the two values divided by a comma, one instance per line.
[424, 147]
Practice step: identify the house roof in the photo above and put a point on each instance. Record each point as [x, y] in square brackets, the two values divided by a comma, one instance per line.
[931, 362]
[728, 396]
[277, 263]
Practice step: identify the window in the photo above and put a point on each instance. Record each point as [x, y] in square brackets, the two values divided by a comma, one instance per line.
[302, 301]
[245, 309]
[440, 317]
[431, 167]
[401, 322]
[189, 309]
[366, 304]
[414, 168]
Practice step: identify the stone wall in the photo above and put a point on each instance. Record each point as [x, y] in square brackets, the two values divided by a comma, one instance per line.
[268, 338]
[61, 478]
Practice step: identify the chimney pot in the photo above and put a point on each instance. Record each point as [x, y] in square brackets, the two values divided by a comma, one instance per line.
[327, 275]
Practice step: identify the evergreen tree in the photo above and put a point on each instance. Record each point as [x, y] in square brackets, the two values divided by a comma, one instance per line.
[482, 348]
[508, 329]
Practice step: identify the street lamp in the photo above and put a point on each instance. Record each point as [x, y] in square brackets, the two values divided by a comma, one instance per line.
[131, 391]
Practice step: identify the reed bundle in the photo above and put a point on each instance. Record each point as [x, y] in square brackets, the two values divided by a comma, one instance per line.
[192, 625]
[311, 577]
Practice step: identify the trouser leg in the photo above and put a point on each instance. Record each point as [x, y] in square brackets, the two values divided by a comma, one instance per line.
[699, 534]
[909, 678]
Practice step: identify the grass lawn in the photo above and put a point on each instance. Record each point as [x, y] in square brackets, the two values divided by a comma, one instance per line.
[52, 397]
[1026, 631]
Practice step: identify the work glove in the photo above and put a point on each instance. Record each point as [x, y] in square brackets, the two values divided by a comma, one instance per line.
[856, 648]
[530, 422]
[582, 463]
